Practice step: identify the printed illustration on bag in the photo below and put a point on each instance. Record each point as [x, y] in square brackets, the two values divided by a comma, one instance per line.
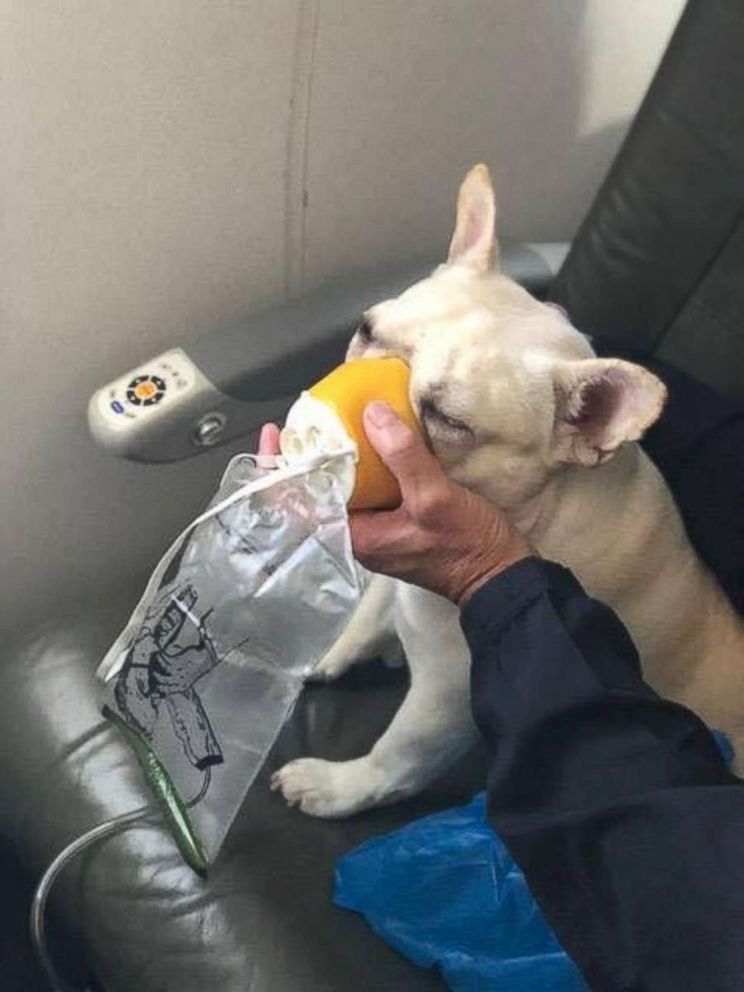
[162, 669]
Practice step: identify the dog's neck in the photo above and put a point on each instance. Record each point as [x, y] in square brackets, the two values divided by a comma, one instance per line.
[526, 517]
[576, 499]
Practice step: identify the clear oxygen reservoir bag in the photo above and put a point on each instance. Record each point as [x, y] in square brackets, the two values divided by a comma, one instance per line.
[238, 612]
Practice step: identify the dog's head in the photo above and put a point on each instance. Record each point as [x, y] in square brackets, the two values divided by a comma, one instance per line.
[506, 389]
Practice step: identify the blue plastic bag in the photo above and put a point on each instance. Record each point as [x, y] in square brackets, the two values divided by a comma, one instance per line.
[445, 892]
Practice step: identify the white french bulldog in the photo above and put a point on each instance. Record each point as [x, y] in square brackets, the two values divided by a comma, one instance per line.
[519, 409]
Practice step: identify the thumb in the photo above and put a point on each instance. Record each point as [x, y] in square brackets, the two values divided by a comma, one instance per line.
[401, 448]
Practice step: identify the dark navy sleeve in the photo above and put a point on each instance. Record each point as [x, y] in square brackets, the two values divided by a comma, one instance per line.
[615, 803]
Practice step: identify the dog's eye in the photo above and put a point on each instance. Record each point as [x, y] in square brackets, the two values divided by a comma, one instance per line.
[431, 412]
[364, 331]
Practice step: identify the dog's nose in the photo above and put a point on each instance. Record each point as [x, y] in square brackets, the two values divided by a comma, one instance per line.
[365, 344]
[356, 349]
[365, 332]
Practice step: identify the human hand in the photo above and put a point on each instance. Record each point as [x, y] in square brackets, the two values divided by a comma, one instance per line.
[268, 442]
[442, 537]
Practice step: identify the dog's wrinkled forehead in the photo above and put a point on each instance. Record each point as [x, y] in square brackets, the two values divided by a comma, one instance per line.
[456, 311]
[480, 386]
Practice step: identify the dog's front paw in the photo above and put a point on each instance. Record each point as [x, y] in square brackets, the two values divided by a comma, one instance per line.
[337, 661]
[332, 667]
[326, 788]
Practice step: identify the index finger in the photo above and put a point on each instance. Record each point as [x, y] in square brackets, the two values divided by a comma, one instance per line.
[268, 442]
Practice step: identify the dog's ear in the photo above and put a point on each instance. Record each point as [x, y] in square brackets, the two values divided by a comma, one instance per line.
[601, 403]
[474, 241]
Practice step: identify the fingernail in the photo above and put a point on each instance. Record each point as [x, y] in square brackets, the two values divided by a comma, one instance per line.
[379, 414]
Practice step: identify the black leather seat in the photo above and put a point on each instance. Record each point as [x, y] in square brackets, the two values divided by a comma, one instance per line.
[263, 919]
